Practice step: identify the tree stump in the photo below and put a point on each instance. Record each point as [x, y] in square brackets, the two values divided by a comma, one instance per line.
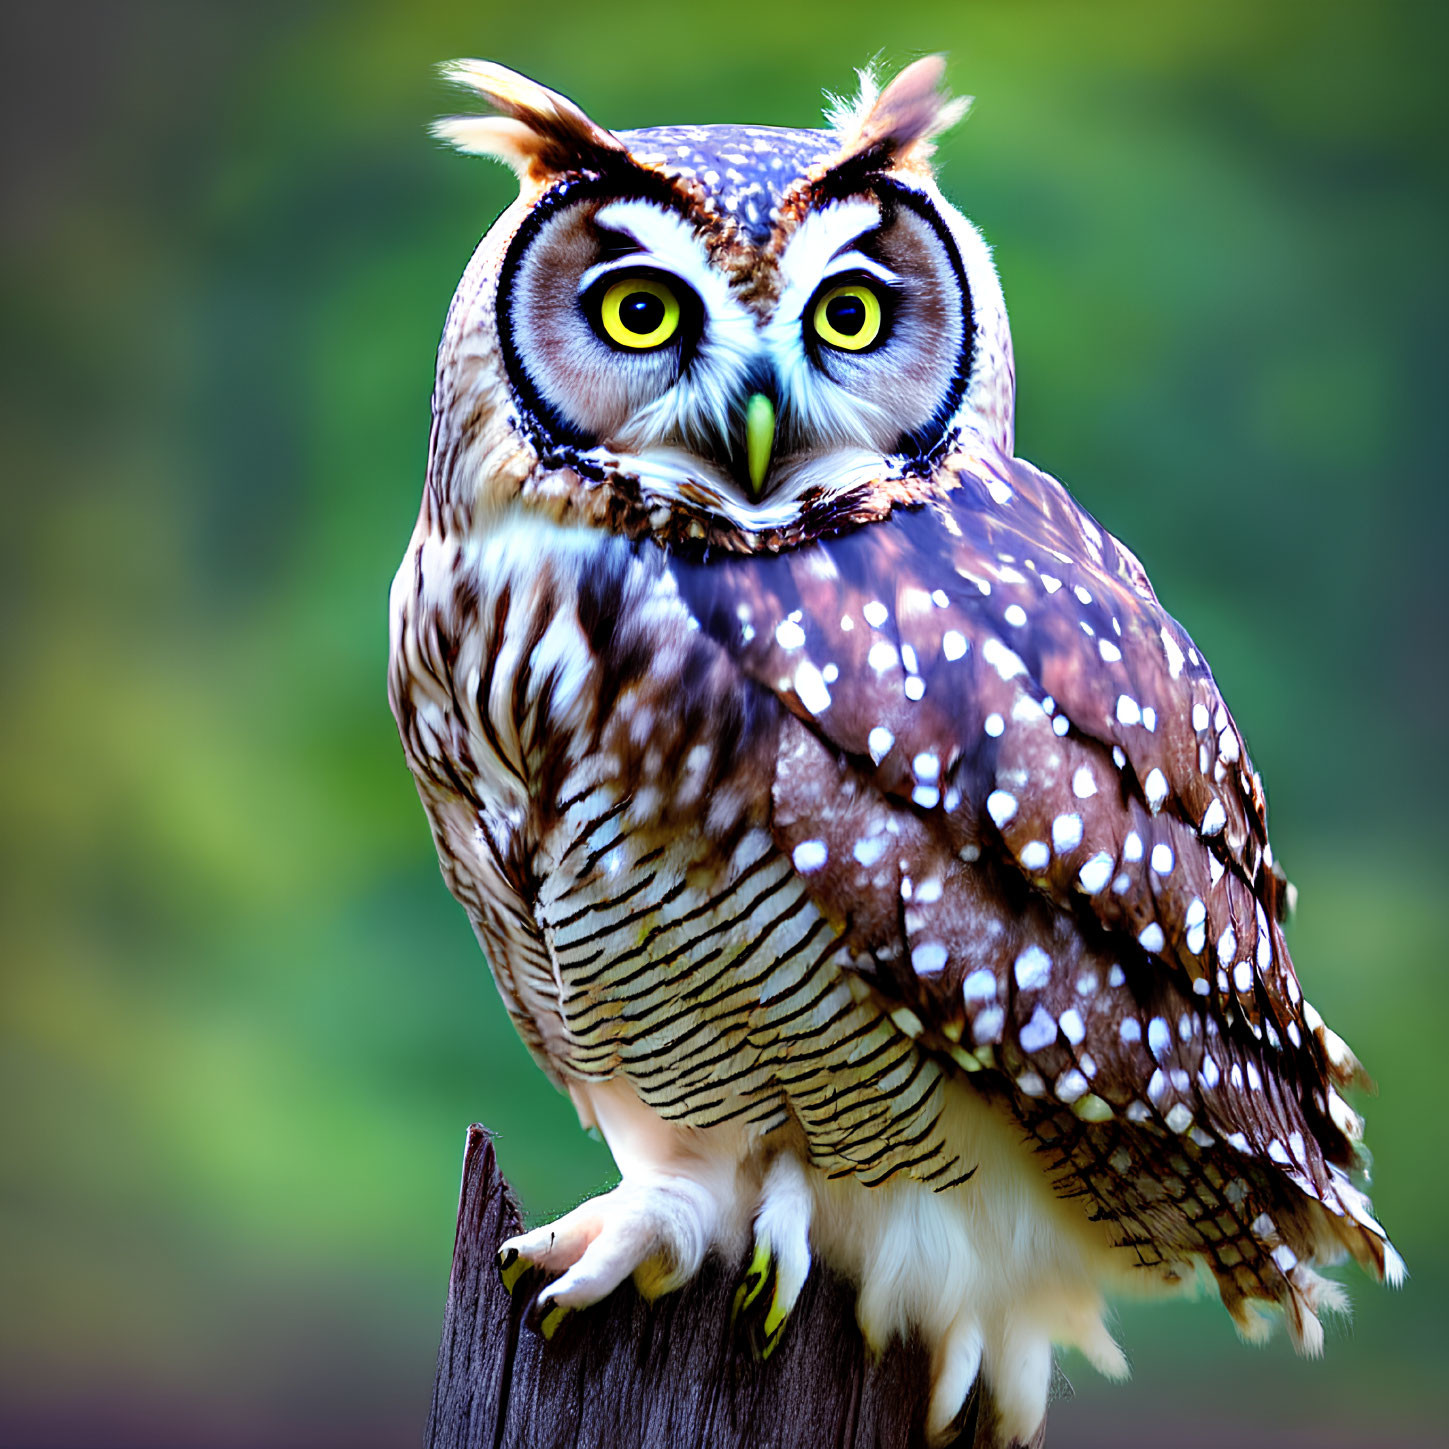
[672, 1374]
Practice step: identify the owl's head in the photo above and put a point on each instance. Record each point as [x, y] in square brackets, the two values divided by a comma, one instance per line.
[742, 335]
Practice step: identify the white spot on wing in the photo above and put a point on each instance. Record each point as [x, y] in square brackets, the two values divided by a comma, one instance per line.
[986, 1025]
[980, 985]
[1095, 874]
[929, 958]
[882, 656]
[1155, 788]
[1179, 1117]
[1033, 970]
[1174, 654]
[1066, 832]
[1159, 1037]
[1001, 807]
[1002, 659]
[1039, 1032]
[810, 687]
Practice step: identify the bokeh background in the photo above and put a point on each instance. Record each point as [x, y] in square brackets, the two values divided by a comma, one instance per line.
[242, 1026]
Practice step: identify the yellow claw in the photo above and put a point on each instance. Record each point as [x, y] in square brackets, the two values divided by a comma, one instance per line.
[775, 1321]
[511, 1267]
[551, 1320]
[756, 1276]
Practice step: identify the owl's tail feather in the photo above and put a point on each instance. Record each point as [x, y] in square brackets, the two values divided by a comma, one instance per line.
[1358, 1231]
[1295, 1242]
[1344, 1067]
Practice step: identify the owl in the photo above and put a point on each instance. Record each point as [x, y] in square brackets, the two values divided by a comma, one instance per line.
[850, 832]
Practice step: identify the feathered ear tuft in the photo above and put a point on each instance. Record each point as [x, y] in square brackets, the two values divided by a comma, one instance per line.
[896, 126]
[539, 133]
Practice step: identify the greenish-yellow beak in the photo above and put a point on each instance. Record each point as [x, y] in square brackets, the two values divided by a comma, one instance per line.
[759, 437]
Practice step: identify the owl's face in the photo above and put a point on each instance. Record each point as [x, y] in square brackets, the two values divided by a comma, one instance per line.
[734, 333]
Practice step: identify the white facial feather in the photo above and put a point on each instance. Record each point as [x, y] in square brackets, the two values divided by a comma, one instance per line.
[702, 402]
[821, 248]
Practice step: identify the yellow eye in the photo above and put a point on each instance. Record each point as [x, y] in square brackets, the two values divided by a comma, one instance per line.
[640, 312]
[848, 317]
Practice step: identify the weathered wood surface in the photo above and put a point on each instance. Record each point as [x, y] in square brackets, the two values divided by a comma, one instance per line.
[627, 1374]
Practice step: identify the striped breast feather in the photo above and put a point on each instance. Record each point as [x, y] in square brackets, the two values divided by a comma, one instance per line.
[999, 665]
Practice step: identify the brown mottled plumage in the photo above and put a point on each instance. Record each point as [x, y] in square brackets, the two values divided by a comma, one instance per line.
[849, 830]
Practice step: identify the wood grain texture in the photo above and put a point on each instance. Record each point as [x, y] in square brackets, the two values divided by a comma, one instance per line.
[627, 1374]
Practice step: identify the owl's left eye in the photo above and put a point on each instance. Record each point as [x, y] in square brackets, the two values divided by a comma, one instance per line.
[848, 316]
[640, 313]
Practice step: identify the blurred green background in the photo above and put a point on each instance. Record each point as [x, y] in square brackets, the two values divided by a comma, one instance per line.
[242, 1026]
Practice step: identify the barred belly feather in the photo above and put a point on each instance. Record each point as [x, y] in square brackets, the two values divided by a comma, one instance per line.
[664, 938]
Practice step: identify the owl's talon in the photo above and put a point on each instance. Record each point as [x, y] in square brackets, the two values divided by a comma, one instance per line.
[955, 1367]
[782, 1251]
[655, 1230]
[550, 1316]
[776, 1319]
[511, 1267]
[753, 1283]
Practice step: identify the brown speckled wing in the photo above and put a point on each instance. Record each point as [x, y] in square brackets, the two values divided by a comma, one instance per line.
[1000, 661]
[1015, 784]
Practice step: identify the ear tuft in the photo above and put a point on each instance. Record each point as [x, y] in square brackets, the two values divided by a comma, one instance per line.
[898, 125]
[538, 133]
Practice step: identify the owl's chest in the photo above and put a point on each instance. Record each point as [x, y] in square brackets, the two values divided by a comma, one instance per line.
[585, 754]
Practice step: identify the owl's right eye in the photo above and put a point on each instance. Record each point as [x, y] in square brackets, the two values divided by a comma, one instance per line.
[640, 313]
